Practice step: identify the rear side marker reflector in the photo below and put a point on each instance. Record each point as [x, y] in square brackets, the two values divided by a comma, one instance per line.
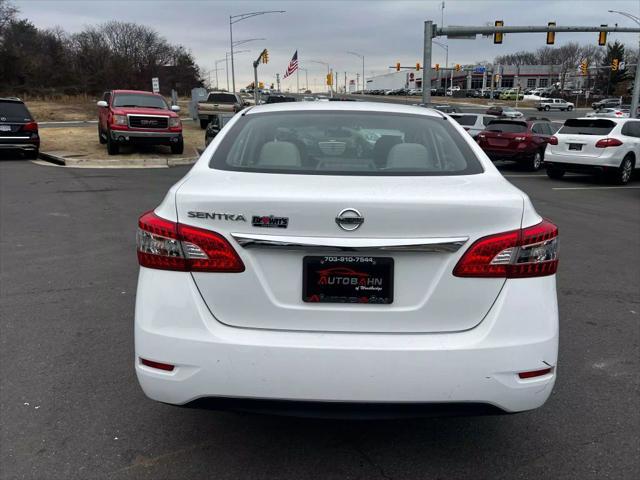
[157, 365]
[535, 373]
[167, 245]
[528, 252]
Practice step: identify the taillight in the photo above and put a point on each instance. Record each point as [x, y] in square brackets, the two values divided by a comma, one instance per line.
[30, 127]
[166, 245]
[608, 142]
[553, 140]
[528, 252]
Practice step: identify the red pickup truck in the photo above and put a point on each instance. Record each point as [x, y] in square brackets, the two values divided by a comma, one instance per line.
[138, 117]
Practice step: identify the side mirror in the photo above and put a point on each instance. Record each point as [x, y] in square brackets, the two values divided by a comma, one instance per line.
[102, 104]
[175, 108]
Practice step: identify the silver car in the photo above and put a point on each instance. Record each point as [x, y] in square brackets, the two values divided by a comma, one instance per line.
[473, 123]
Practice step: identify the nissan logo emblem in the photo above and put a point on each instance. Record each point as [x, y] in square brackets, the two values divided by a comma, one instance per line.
[349, 219]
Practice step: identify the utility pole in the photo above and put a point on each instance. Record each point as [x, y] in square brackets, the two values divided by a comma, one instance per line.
[426, 61]
[278, 81]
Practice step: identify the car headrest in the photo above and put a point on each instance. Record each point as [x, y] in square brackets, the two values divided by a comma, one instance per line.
[409, 155]
[279, 154]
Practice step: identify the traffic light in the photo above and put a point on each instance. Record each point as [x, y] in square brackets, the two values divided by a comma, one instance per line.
[457, 67]
[602, 37]
[583, 67]
[329, 79]
[418, 67]
[497, 37]
[551, 36]
[437, 67]
[398, 67]
[614, 65]
[265, 56]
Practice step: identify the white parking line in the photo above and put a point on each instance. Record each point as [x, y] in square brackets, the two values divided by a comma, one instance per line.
[592, 188]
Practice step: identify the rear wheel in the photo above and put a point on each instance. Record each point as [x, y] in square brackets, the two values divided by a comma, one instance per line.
[623, 173]
[555, 172]
[101, 138]
[547, 108]
[535, 162]
[31, 154]
[112, 147]
[203, 124]
[569, 108]
[178, 147]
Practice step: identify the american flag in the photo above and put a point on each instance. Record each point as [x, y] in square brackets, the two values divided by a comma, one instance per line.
[293, 65]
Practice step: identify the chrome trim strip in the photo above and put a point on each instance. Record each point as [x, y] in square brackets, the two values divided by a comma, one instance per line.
[15, 138]
[435, 244]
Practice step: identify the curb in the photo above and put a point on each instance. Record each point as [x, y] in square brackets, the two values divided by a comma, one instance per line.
[65, 161]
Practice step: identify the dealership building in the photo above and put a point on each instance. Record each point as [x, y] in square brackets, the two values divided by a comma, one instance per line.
[476, 77]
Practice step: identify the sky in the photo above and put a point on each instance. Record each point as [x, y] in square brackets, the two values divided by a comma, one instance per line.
[384, 31]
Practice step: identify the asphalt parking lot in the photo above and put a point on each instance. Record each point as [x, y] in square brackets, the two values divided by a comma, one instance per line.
[71, 407]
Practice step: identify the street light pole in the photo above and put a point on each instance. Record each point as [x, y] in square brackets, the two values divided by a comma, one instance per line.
[328, 72]
[238, 18]
[361, 56]
[446, 60]
[636, 83]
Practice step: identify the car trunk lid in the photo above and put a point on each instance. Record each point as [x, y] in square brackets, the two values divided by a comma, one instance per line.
[397, 211]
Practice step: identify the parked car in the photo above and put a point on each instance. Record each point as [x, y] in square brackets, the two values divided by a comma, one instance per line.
[280, 99]
[474, 123]
[218, 103]
[606, 103]
[438, 92]
[18, 128]
[441, 107]
[473, 93]
[138, 117]
[555, 104]
[215, 125]
[511, 94]
[516, 140]
[452, 90]
[500, 111]
[609, 113]
[609, 146]
[308, 98]
[260, 280]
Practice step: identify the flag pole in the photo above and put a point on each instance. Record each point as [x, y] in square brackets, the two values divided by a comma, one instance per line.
[298, 74]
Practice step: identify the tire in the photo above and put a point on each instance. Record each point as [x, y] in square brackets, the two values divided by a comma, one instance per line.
[569, 108]
[555, 172]
[624, 172]
[112, 147]
[547, 108]
[100, 137]
[203, 124]
[535, 162]
[32, 154]
[177, 148]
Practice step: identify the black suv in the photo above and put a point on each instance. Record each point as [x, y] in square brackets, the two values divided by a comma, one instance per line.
[18, 129]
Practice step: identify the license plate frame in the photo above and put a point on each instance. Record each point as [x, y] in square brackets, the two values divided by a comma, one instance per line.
[354, 279]
[5, 128]
[575, 147]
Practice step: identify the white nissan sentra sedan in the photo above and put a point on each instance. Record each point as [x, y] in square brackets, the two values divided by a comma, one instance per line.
[346, 253]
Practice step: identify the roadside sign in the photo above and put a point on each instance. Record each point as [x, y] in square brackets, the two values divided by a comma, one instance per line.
[621, 65]
[155, 82]
[479, 69]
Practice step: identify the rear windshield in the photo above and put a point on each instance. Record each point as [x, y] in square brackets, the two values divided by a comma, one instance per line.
[14, 111]
[465, 119]
[580, 126]
[139, 100]
[507, 127]
[276, 99]
[222, 98]
[345, 143]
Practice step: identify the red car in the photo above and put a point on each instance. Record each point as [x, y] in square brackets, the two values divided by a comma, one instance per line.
[138, 117]
[517, 140]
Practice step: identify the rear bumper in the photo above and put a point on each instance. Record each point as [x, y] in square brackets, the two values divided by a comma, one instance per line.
[510, 155]
[26, 143]
[583, 163]
[480, 366]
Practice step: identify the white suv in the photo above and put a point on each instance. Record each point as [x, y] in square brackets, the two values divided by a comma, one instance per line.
[555, 103]
[597, 145]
